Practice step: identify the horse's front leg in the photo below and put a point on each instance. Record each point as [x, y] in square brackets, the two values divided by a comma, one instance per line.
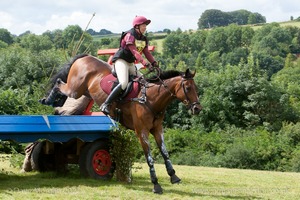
[53, 93]
[143, 137]
[159, 138]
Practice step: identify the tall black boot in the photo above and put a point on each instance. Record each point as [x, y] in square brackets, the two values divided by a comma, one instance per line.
[112, 96]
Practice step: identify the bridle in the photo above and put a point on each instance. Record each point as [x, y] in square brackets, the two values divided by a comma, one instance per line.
[187, 102]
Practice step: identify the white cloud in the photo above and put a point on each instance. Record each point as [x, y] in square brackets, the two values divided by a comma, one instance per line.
[116, 15]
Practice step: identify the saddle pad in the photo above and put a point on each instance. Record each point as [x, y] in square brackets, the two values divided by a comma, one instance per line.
[107, 82]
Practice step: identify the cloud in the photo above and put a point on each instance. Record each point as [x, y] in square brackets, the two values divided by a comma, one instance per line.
[116, 15]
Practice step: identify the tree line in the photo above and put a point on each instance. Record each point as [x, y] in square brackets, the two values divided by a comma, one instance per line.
[215, 18]
[247, 79]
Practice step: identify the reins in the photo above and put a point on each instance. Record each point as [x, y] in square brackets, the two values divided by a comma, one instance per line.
[143, 98]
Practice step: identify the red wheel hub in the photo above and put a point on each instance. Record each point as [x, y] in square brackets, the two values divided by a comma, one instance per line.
[101, 162]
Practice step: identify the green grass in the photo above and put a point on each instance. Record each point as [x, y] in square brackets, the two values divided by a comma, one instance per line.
[197, 183]
[290, 23]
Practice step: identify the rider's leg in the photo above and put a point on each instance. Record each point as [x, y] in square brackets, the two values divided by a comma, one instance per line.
[121, 68]
[133, 70]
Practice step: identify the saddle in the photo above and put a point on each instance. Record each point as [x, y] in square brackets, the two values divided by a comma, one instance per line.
[131, 92]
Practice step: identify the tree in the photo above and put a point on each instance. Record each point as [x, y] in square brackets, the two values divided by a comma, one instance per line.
[20, 67]
[287, 80]
[216, 40]
[239, 17]
[241, 96]
[176, 43]
[252, 19]
[234, 37]
[197, 40]
[104, 32]
[6, 36]
[36, 43]
[213, 18]
[247, 35]
[76, 41]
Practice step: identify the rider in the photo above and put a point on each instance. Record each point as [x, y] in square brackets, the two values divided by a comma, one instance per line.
[132, 44]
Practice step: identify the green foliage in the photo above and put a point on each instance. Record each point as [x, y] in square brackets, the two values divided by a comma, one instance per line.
[216, 18]
[235, 148]
[9, 103]
[36, 43]
[5, 36]
[287, 81]
[242, 96]
[10, 147]
[295, 160]
[16, 159]
[124, 149]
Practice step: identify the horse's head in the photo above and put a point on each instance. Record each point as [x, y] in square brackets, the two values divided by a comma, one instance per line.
[187, 92]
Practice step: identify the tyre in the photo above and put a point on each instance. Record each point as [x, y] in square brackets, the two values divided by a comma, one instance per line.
[82, 160]
[40, 161]
[35, 156]
[95, 161]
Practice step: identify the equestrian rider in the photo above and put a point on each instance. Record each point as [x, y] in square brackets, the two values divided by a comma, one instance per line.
[132, 44]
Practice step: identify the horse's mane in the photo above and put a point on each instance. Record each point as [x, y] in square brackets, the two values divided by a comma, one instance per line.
[164, 75]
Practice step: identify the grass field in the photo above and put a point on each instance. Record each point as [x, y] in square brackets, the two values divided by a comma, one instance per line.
[197, 183]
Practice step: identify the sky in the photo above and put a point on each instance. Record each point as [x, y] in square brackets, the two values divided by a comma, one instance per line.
[39, 16]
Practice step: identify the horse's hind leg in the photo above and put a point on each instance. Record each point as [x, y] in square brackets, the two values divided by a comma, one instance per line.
[163, 150]
[53, 93]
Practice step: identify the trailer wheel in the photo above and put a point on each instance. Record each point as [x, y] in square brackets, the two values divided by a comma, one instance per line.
[35, 155]
[95, 161]
[39, 161]
[82, 160]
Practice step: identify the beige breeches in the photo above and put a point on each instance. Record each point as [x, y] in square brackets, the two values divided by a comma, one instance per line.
[123, 69]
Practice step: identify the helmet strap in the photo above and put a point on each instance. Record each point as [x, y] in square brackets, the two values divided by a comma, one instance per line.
[138, 28]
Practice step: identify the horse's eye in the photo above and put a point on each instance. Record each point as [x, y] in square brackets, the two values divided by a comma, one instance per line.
[187, 88]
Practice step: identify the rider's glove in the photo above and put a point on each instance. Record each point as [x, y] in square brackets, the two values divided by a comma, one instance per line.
[155, 64]
[150, 67]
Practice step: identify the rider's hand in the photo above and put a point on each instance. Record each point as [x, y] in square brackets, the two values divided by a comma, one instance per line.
[155, 64]
[150, 67]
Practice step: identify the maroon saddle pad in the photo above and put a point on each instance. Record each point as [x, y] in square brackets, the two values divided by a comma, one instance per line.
[131, 92]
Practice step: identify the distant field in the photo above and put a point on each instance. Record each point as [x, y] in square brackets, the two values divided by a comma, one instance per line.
[158, 45]
[197, 183]
[99, 37]
[290, 23]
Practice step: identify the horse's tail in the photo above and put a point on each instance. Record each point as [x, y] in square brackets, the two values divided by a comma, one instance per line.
[63, 73]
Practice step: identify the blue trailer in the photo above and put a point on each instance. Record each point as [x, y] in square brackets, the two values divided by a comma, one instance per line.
[61, 140]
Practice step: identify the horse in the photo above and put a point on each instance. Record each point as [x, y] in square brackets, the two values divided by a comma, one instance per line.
[82, 76]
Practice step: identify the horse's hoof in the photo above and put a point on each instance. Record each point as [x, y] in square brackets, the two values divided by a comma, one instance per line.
[157, 189]
[43, 101]
[175, 179]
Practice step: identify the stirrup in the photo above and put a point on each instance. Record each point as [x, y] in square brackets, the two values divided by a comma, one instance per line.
[105, 108]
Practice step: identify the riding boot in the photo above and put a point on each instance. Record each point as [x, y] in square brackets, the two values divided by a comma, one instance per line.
[112, 96]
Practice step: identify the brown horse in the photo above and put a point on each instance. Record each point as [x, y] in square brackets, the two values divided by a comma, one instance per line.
[82, 77]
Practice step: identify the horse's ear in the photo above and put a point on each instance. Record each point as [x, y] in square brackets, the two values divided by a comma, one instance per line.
[189, 74]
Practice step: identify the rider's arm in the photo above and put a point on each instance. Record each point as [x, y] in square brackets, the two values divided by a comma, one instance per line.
[137, 55]
[129, 42]
[148, 55]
